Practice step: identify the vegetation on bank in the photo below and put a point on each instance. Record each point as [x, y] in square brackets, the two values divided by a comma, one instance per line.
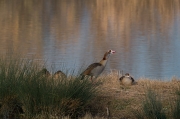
[25, 90]
[26, 93]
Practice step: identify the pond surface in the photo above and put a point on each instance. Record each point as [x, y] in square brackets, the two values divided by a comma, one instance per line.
[71, 34]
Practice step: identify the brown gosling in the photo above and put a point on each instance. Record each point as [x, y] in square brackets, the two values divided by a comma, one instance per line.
[59, 74]
[45, 73]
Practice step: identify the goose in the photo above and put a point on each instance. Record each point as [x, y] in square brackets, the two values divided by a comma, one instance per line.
[127, 79]
[59, 74]
[96, 69]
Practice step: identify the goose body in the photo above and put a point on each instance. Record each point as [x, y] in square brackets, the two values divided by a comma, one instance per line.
[96, 69]
[126, 80]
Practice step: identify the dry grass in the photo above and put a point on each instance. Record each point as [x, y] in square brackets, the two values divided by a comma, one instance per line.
[116, 101]
[123, 100]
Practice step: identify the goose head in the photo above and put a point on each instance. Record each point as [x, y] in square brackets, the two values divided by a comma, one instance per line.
[127, 75]
[108, 53]
[111, 51]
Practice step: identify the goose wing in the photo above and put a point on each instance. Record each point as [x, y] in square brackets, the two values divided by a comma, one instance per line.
[132, 79]
[121, 78]
[91, 68]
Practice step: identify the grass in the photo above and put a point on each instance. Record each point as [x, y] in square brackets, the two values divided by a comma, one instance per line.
[22, 85]
[25, 90]
[151, 107]
[133, 102]
[176, 106]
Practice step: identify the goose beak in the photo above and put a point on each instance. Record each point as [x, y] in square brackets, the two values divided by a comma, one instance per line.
[113, 52]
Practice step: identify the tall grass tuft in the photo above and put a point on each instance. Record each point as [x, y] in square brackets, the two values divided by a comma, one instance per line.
[25, 90]
[72, 95]
[12, 73]
[151, 107]
[176, 106]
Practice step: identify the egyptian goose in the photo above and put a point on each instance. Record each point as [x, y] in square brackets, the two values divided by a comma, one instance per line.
[59, 74]
[96, 69]
[127, 80]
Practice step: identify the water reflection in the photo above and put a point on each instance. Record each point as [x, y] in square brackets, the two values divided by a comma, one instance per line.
[73, 33]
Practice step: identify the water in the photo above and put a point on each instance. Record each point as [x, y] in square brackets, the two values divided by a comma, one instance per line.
[76, 33]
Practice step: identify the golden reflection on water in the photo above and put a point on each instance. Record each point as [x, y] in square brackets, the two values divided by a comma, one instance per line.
[82, 30]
